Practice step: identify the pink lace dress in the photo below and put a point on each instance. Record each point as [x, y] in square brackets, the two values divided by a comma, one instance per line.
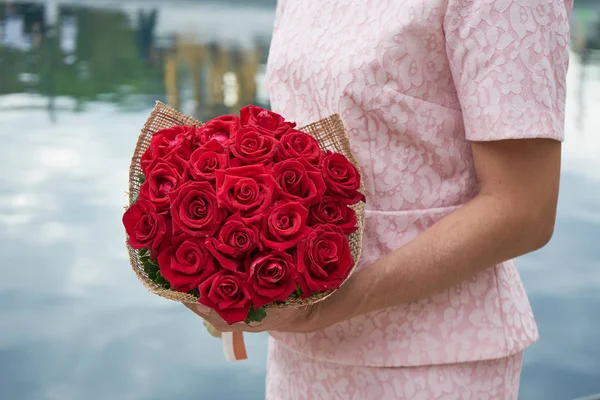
[414, 82]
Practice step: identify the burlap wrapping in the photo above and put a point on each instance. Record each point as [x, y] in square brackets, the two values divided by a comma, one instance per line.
[330, 134]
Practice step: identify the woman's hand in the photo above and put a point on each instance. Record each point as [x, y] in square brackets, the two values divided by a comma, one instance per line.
[214, 332]
[282, 319]
[336, 308]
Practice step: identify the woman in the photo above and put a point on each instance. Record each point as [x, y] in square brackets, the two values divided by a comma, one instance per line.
[455, 111]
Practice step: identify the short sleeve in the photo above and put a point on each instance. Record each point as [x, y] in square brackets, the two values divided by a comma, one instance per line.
[509, 62]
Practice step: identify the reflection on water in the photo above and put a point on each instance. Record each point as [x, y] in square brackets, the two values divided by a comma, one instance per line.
[117, 55]
[76, 324]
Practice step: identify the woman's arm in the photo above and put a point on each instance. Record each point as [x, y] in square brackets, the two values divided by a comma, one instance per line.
[512, 214]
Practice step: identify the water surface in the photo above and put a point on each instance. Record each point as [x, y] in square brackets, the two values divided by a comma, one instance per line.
[76, 324]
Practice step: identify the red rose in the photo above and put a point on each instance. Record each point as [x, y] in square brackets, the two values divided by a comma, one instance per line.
[227, 294]
[165, 142]
[207, 159]
[229, 263]
[234, 242]
[220, 129]
[186, 263]
[284, 226]
[296, 144]
[266, 122]
[342, 178]
[324, 260]
[144, 225]
[194, 209]
[168, 140]
[160, 182]
[167, 238]
[252, 147]
[299, 181]
[177, 157]
[272, 277]
[331, 211]
[175, 160]
[236, 238]
[249, 190]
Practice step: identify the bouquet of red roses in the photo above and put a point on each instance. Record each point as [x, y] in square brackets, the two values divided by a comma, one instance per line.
[243, 213]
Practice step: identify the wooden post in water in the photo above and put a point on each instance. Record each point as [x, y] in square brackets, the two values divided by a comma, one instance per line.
[248, 71]
[171, 83]
[192, 54]
[220, 65]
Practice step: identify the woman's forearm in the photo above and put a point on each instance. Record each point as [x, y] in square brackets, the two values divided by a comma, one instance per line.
[481, 234]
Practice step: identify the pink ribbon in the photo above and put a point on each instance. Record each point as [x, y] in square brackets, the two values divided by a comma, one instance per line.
[234, 347]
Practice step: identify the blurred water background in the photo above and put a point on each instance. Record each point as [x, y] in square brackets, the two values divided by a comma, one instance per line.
[77, 80]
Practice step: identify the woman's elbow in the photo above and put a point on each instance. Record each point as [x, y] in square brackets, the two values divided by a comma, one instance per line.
[546, 232]
[540, 227]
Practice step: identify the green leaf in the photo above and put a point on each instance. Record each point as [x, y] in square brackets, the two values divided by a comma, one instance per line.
[256, 315]
[141, 178]
[135, 197]
[149, 262]
[147, 266]
[150, 268]
[162, 281]
[194, 292]
[146, 269]
[298, 291]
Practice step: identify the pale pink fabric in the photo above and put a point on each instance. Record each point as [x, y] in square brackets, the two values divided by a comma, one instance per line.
[292, 376]
[415, 81]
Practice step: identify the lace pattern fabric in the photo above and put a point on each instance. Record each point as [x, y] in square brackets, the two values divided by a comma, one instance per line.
[292, 376]
[415, 81]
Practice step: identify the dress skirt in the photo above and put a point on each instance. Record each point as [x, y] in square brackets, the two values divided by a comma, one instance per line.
[292, 376]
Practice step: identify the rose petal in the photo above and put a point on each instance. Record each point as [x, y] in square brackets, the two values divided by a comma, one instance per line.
[228, 263]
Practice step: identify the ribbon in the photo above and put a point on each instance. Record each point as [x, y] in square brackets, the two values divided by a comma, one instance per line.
[234, 347]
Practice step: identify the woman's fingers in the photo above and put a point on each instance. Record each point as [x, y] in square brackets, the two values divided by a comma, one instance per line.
[204, 310]
[200, 310]
[211, 329]
[277, 319]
